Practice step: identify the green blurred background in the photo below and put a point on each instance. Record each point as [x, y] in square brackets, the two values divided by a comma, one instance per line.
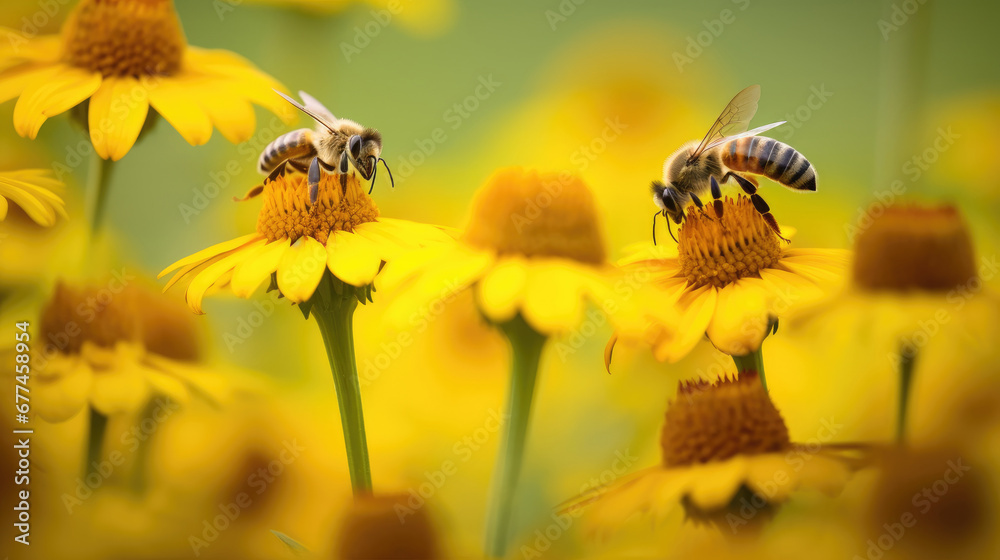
[564, 70]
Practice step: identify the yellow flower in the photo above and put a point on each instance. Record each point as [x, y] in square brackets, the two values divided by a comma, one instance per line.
[126, 56]
[727, 459]
[919, 293]
[533, 248]
[113, 347]
[35, 191]
[296, 242]
[730, 279]
[422, 16]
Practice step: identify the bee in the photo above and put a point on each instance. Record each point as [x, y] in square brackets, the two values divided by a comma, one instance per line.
[727, 151]
[334, 146]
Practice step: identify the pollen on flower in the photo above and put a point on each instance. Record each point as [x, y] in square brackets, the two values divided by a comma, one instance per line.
[716, 421]
[107, 314]
[341, 205]
[718, 252]
[537, 215]
[125, 37]
[914, 248]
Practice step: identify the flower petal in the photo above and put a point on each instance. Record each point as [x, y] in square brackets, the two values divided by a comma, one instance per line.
[214, 250]
[229, 112]
[301, 268]
[258, 266]
[62, 391]
[741, 319]
[353, 258]
[553, 297]
[717, 482]
[173, 99]
[56, 93]
[206, 278]
[696, 309]
[501, 290]
[116, 115]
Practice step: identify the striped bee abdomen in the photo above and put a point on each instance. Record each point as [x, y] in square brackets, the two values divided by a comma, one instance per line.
[291, 145]
[768, 157]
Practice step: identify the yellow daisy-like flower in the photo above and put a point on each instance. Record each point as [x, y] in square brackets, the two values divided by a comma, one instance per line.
[727, 459]
[112, 348]
[126, 56]
[533, 248]
[35, 191]
[730, 279]
[296, 242]
[422, 16]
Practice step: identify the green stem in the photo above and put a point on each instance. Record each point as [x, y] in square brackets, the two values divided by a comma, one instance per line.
[95, 442]
[335, 318]
[907, 359]
[753, 361]
[98, 179]
[526, 346]
[140, 468]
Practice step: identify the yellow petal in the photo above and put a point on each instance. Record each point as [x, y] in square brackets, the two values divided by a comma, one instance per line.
[353, 258]
[214, 250]
[116, 115]
[34, 201]
[168, 386]
[696, 309]
[119, 390]
[501, 290]
[771, 477]
[301, 268]
[553, 297]
[56, 93]
[258, 266]
[206, 278]
[717, 482]
[14, 80]
[741, 321]
[230, 113]
[63, 393]
[404, 267]
[176, 103]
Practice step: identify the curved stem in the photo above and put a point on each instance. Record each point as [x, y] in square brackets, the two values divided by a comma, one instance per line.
[907, 359]
[95, 442]
[335, 317]
[526, 346]
[753, 361]
[98, 179]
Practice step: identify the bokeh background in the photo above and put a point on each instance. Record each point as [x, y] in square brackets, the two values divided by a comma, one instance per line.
[459, 89]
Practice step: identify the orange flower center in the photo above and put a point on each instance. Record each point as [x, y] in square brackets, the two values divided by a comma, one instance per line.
[125, 37]
[913, 248]
[718, 252]
[107, 314]
[386, 527]
[537, 215]
[716, 421]
[341, 205]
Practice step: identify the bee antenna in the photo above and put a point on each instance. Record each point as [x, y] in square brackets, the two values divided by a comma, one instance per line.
[392, 183]
[374, 174]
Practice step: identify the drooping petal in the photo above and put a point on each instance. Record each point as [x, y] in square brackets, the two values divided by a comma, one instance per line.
[696, 309]
[501, 290]
[208, 277]
[553, 297]
[62, 391]
[353, 258]
[301, 268]
[116, 115]
[741, 320]
[229, 112]
[174, 100]
[56, 93]
[205, 254]
[717, 482]
[258, 266]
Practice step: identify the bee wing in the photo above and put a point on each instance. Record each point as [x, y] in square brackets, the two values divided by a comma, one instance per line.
[735, 118]
[317, 117]
[315, 106]
[753, 132]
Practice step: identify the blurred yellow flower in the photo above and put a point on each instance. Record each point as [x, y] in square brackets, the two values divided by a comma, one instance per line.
[422, 16]
[126, 56]
[112, 348]
[296, 242]
[533, 248]
[727, 459]
[730, 280]
[36, 191]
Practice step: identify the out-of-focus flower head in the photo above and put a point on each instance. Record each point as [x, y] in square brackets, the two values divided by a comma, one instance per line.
[421, 16]
[118, 58]
[112, 347]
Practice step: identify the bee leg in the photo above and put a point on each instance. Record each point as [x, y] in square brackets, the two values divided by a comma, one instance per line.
[716, 197]
[313, 178]
[343, 169]
[758, 203]
[697, 201]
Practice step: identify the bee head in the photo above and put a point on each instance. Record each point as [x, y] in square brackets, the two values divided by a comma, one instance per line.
[364, 151]
[665, 198]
